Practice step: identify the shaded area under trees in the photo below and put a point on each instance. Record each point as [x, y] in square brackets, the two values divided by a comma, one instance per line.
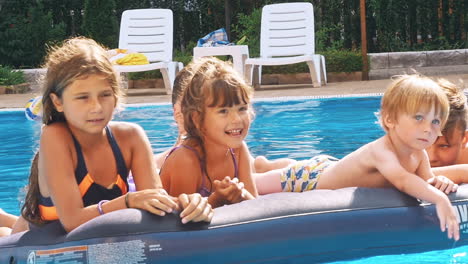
[27, 26]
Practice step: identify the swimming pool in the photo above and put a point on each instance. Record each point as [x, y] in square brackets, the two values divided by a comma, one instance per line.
[297, 128]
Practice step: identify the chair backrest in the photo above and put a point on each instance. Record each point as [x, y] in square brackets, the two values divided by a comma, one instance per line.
[148, 31]
[287, 30]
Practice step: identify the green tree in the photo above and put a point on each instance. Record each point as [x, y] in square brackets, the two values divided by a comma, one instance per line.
[100, 22]
[25, 33]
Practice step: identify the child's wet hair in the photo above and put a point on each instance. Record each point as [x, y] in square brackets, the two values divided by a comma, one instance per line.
[409, 94]
[76, 59]
[458, 108]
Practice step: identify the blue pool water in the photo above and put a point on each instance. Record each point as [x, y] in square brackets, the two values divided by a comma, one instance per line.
[297, 129]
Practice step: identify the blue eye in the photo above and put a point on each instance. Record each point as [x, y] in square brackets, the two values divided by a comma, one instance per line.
[418, 117]
[436, 122]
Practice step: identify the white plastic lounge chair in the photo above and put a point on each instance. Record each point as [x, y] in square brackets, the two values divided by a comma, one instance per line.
[287, 37]
[150, 31]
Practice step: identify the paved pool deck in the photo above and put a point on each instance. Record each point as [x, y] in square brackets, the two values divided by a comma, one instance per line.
[135, 96]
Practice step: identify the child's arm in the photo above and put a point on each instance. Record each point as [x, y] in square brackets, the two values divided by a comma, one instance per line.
[457, 173]
[196, 209]
[440, 182]
[245, 173]
[443, 183]
[389, 166]
[227, 191]
[142, 163]
[6, 219]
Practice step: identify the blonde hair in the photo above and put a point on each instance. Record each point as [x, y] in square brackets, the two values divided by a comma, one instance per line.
[214, 83]
[408, 94]
[77, 58]
[457, 115]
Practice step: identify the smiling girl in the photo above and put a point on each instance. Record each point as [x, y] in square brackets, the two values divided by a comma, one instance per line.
[213, 159]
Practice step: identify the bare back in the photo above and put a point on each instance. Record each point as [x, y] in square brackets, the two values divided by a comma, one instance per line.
[367, 166]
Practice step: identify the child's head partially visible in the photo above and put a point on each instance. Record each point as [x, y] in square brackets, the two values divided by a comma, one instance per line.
[77, 59]
[181, 81]
[447, 148]
[215, 84]
[412, 94]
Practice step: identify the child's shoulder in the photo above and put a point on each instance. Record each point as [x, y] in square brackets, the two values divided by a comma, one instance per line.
[180, 159]
[379, 148]
[186, 153]
[55, 130]
[125, 128]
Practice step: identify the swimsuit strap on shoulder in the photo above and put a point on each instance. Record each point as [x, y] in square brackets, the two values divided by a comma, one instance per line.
[203, 190]
[234, 159]
[121, 167]
[81, 170]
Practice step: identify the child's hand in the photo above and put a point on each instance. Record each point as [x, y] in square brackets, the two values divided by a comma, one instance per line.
[195, 208]
[443, 183]
[447, 218]
[155, 201]
[229, 190]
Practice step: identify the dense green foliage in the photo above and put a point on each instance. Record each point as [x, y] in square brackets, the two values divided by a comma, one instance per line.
[25, 35]
[336, 60]
[27, 26]
[100, 22]
[342, 61]
[9, 76]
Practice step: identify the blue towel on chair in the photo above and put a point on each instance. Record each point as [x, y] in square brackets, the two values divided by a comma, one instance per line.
[213, 39]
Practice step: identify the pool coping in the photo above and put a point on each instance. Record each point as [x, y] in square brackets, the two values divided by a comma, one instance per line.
[262, 99]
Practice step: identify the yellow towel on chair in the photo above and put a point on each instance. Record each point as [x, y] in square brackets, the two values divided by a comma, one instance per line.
[126, 57]
[133, 59]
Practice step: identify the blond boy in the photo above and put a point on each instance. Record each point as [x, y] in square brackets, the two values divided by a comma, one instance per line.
[413, 112]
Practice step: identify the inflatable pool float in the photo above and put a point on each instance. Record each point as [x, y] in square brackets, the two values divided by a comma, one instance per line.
[310, 227]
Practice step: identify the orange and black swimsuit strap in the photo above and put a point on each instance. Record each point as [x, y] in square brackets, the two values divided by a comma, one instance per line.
[81, 172]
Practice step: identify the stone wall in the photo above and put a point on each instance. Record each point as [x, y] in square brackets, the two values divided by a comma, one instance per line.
[34, 78]
[438, 62]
